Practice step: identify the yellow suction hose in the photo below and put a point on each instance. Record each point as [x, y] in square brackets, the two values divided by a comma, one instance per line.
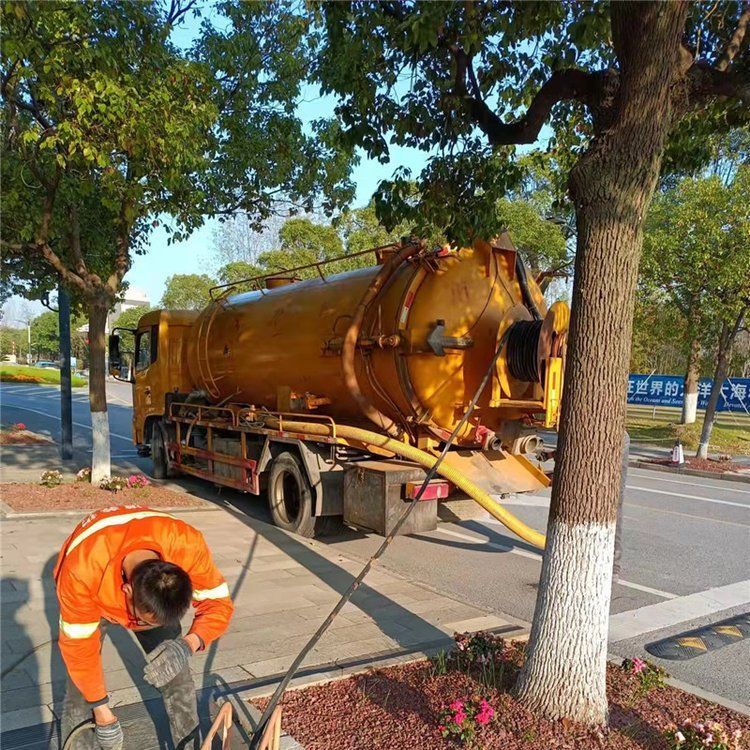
[411, 453]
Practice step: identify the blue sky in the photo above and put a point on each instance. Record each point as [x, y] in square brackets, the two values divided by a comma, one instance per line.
[149, 272]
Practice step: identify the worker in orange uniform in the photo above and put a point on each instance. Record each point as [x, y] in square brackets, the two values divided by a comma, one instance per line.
[142, 569]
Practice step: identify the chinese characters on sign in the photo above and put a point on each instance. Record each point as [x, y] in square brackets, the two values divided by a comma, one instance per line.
[668, 390]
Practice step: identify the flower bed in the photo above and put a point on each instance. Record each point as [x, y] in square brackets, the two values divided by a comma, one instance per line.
[462, 699]
[17, 434]
[25, 498]
[702, 464]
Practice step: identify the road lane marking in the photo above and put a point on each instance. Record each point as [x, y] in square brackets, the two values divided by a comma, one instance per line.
[77, 424]
[537, 556]
[691, 484]
[664, 614]
[688, 497]
[686, 515]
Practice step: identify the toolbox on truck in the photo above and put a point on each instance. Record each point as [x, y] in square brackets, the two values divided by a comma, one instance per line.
[377, 492]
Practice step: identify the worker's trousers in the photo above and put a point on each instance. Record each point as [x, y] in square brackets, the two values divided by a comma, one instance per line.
[178, 695]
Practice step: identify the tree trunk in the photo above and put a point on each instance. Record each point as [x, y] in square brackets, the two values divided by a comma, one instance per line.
[100, 461]
[726, 341]
[611, 187]
[690, 398]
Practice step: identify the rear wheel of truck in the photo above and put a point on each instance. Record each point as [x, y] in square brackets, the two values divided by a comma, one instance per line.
[290, 495]
[161, 469]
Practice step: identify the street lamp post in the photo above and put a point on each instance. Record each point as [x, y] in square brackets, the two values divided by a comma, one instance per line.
[66, 389]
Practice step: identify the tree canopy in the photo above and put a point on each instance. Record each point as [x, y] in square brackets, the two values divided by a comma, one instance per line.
[187, 291]
[469, 82]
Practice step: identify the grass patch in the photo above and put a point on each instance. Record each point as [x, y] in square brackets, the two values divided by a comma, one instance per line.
[725, 437]
[38, 375]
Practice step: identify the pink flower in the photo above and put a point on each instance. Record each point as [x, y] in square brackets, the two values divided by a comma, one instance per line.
[460, 717]
[441, 728]
[456, 705]
[709, 740]
[20, 426]
[638, 665]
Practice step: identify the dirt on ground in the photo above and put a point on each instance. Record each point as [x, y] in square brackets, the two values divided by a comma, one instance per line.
[400, 707]
[717, 466]
[28, 498]
[21, 437]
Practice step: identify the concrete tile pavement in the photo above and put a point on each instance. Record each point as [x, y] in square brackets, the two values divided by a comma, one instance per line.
[283, 587]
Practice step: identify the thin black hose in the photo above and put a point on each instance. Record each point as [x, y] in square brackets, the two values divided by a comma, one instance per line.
[281, 688]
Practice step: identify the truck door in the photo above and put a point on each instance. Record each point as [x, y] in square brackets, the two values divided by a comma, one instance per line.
[146, 376]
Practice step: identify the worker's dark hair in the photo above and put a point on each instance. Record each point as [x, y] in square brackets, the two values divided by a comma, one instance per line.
[162, 589]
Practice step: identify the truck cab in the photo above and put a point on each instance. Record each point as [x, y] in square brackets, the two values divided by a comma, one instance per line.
[156, 365]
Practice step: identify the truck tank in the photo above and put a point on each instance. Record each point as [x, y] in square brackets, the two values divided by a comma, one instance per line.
[399, 347]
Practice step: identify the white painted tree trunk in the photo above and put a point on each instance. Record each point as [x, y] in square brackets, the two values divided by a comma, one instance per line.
[689, 408]
[571, 620]
[100, 458]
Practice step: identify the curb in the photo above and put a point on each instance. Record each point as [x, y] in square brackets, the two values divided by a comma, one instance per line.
[42, 514]
[725, 476]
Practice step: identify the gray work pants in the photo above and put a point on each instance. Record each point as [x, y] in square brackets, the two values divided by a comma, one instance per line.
[618, 528]
[178, 695]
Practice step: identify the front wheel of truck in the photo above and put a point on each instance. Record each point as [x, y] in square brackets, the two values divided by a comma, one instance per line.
[159, 456]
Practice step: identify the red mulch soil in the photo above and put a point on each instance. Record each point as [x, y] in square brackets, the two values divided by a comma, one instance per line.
[398, 708]
[702, 464]
[26, 498]
[21, 437]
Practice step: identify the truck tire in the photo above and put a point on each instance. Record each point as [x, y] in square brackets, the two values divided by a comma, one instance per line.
[290, 495]
[161, 468]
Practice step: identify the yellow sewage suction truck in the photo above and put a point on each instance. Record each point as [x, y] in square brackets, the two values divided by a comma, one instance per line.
[334, 394]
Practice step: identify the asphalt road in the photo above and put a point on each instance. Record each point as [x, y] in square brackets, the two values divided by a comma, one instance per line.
[686, 557]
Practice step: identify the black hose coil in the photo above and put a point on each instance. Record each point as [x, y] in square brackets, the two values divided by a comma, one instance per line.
[521, 356]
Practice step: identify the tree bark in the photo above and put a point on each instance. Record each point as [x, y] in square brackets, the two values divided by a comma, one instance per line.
[100, 459]
[690, 398]
[726, 341]
[611, 187]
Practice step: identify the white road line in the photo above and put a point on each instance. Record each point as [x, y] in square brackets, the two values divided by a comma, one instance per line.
[652, 617]
[686, 515]
[688, 497]
[77, 424]
[538, 557]
[725, 488]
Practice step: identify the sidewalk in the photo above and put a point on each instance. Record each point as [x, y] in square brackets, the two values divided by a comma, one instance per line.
[283, 587]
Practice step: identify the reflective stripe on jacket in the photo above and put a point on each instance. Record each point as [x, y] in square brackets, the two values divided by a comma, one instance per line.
[88, 575]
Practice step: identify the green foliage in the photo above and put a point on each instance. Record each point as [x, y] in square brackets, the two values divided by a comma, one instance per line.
[541, 242]
[264, 158]
[45, 336]
[129, 319]
[187, 291]
[13, 340]
[661, 337]
[361, 230]
[38, 375]
[432, 75]
[697, 248]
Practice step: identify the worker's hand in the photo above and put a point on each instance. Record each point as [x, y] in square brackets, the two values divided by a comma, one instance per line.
[109, 736]
[166, 661]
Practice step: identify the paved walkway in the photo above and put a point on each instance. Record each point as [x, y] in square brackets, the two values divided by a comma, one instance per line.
[283, 587]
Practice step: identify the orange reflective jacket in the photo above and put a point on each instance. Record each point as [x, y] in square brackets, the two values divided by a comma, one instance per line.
[89, 583]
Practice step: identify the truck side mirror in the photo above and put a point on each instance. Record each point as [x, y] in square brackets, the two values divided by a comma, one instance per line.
[114, 355]
[116, 364]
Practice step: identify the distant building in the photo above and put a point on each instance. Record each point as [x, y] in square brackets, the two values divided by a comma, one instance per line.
[133, 298]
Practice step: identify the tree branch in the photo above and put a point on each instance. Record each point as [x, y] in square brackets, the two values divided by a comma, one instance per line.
[562, 85]
[705, 82]
[735, 42]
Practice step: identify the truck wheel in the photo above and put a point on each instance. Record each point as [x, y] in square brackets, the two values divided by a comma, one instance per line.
[159, 456]
[290, 496]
